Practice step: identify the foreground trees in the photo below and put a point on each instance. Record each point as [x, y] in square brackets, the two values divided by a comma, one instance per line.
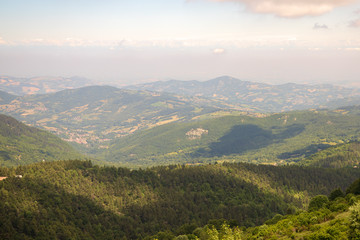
[76, 200]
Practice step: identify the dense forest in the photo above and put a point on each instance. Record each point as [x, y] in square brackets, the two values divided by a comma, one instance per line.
[77, 200]
[336, 216]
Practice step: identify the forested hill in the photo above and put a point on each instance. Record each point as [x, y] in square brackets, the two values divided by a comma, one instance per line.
[260, 96]
[332, 217]
[21, 144]
[276, 139]
[343, 155]
[76, 200]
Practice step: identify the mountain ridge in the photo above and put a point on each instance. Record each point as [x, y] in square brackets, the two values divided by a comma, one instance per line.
[261, 96]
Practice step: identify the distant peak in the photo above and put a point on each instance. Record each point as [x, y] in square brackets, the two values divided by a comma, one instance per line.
[225, 77]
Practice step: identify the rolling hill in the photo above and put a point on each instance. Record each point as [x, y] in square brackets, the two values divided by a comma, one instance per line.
[113, 124]
[275, 139]
[20, 144]
[259, 96]
[91, 116]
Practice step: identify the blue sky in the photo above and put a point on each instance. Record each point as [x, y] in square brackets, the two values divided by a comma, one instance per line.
[274, 41]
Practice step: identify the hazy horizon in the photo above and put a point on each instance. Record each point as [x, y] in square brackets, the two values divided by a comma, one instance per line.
[141, 41]
[120, 84]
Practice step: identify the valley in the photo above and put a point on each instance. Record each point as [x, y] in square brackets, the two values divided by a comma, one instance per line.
[169, 158]
[97, 114]
[143, 128]
[180, 120]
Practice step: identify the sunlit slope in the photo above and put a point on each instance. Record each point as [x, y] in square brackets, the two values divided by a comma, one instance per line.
[21, 144]
[343, 155]
[279, 138]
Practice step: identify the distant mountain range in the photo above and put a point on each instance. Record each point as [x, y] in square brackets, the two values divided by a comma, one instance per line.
[259, 96]
[221, 119]
[244, 95]
[40, 85]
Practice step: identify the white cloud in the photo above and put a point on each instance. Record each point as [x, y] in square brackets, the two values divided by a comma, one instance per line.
[314, 49]
[2, 41]
[291, 8]
[214, 45]
[352, 49]
[72, 42]
[320, 26]
[219, 51]
[355, 23]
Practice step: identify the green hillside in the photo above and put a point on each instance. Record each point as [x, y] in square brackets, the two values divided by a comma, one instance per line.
[76, 200]
[20, 144]
[343, 155]
[275, 139]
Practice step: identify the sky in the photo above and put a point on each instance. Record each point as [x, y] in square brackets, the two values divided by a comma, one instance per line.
[135, 41]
